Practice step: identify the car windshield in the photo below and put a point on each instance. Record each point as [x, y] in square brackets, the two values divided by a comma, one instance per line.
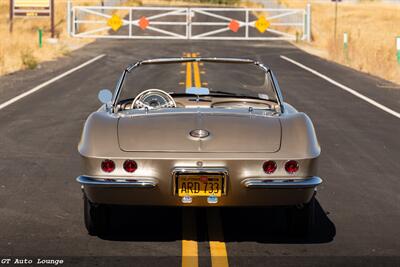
[201, 78]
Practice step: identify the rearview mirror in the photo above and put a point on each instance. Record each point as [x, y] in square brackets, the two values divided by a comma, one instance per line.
[198, 91]
[105, 96]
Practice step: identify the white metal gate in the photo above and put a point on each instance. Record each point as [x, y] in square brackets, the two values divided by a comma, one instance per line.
[129, 22]
[188, 23]
[246, 23]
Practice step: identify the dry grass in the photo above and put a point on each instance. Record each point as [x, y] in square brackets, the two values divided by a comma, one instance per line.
[20, 49]
[372, 28]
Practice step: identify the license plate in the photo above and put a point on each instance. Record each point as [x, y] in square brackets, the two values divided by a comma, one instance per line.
[200, 185]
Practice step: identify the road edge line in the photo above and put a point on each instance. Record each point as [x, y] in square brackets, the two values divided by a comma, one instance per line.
[344, 87]
[40, 86]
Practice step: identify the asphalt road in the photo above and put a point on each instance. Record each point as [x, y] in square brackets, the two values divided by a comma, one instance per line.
[41, 204]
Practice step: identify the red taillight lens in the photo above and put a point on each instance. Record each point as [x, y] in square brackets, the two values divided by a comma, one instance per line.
[107, 165]
[269, 166]
[130, 165]
[292, 166]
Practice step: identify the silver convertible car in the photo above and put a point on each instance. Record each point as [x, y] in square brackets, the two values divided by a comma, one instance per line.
[198, 132]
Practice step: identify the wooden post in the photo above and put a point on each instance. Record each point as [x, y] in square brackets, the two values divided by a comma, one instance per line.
[52, 15]
[11, 15]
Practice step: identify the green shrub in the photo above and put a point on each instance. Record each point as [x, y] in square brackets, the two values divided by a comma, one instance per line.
[29, 60]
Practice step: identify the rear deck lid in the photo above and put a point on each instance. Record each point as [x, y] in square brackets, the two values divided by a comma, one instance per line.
[171, 133]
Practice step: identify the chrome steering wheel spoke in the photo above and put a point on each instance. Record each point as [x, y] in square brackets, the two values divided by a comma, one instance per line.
[140, 100]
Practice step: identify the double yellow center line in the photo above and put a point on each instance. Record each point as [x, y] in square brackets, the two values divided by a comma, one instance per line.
[219, 255]
[196, 72]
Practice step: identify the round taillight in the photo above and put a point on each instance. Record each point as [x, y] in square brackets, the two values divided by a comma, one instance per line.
[130, 165]
[269, 166]
[292, 166]
[107, 165]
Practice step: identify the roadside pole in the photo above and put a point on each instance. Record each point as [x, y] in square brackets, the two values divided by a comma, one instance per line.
[335, 26]
[69, 17]
[11, 15]
[40, 33]
[52, 15]
[398, 49]
[308, 22]
[346, 46]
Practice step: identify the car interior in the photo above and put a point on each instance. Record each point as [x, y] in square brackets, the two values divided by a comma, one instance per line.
[158, 99]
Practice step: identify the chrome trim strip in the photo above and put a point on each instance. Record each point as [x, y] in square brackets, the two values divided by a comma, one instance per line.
[193, 170]
[282, 183]
[198, 59]
[140, 182]
[277, 90]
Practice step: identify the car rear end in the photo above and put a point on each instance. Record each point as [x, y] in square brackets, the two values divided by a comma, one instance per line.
[201, 182]
[243, 161]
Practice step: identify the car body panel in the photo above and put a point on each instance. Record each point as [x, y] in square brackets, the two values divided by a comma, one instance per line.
[298, 140]
[171, 133]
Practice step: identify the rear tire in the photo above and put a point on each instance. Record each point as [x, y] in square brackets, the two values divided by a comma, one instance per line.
[95, 216]
[301, 220]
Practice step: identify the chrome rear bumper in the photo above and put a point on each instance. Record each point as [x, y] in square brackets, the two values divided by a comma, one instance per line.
[145, 191]
[145, 182]
[282, 183]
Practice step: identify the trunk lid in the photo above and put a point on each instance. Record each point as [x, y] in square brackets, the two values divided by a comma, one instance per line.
[228, 133]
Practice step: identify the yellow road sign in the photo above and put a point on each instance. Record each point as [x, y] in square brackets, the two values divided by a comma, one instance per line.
[262, 24]
[115, 22]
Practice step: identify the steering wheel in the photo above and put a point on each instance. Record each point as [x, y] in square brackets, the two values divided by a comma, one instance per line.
[153, 99]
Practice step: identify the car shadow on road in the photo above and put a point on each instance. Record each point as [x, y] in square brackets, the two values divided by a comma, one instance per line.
[254, 224]
[269, 225]
[154, 224]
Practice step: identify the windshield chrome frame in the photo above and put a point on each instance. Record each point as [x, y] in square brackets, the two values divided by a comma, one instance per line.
[130, 68]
